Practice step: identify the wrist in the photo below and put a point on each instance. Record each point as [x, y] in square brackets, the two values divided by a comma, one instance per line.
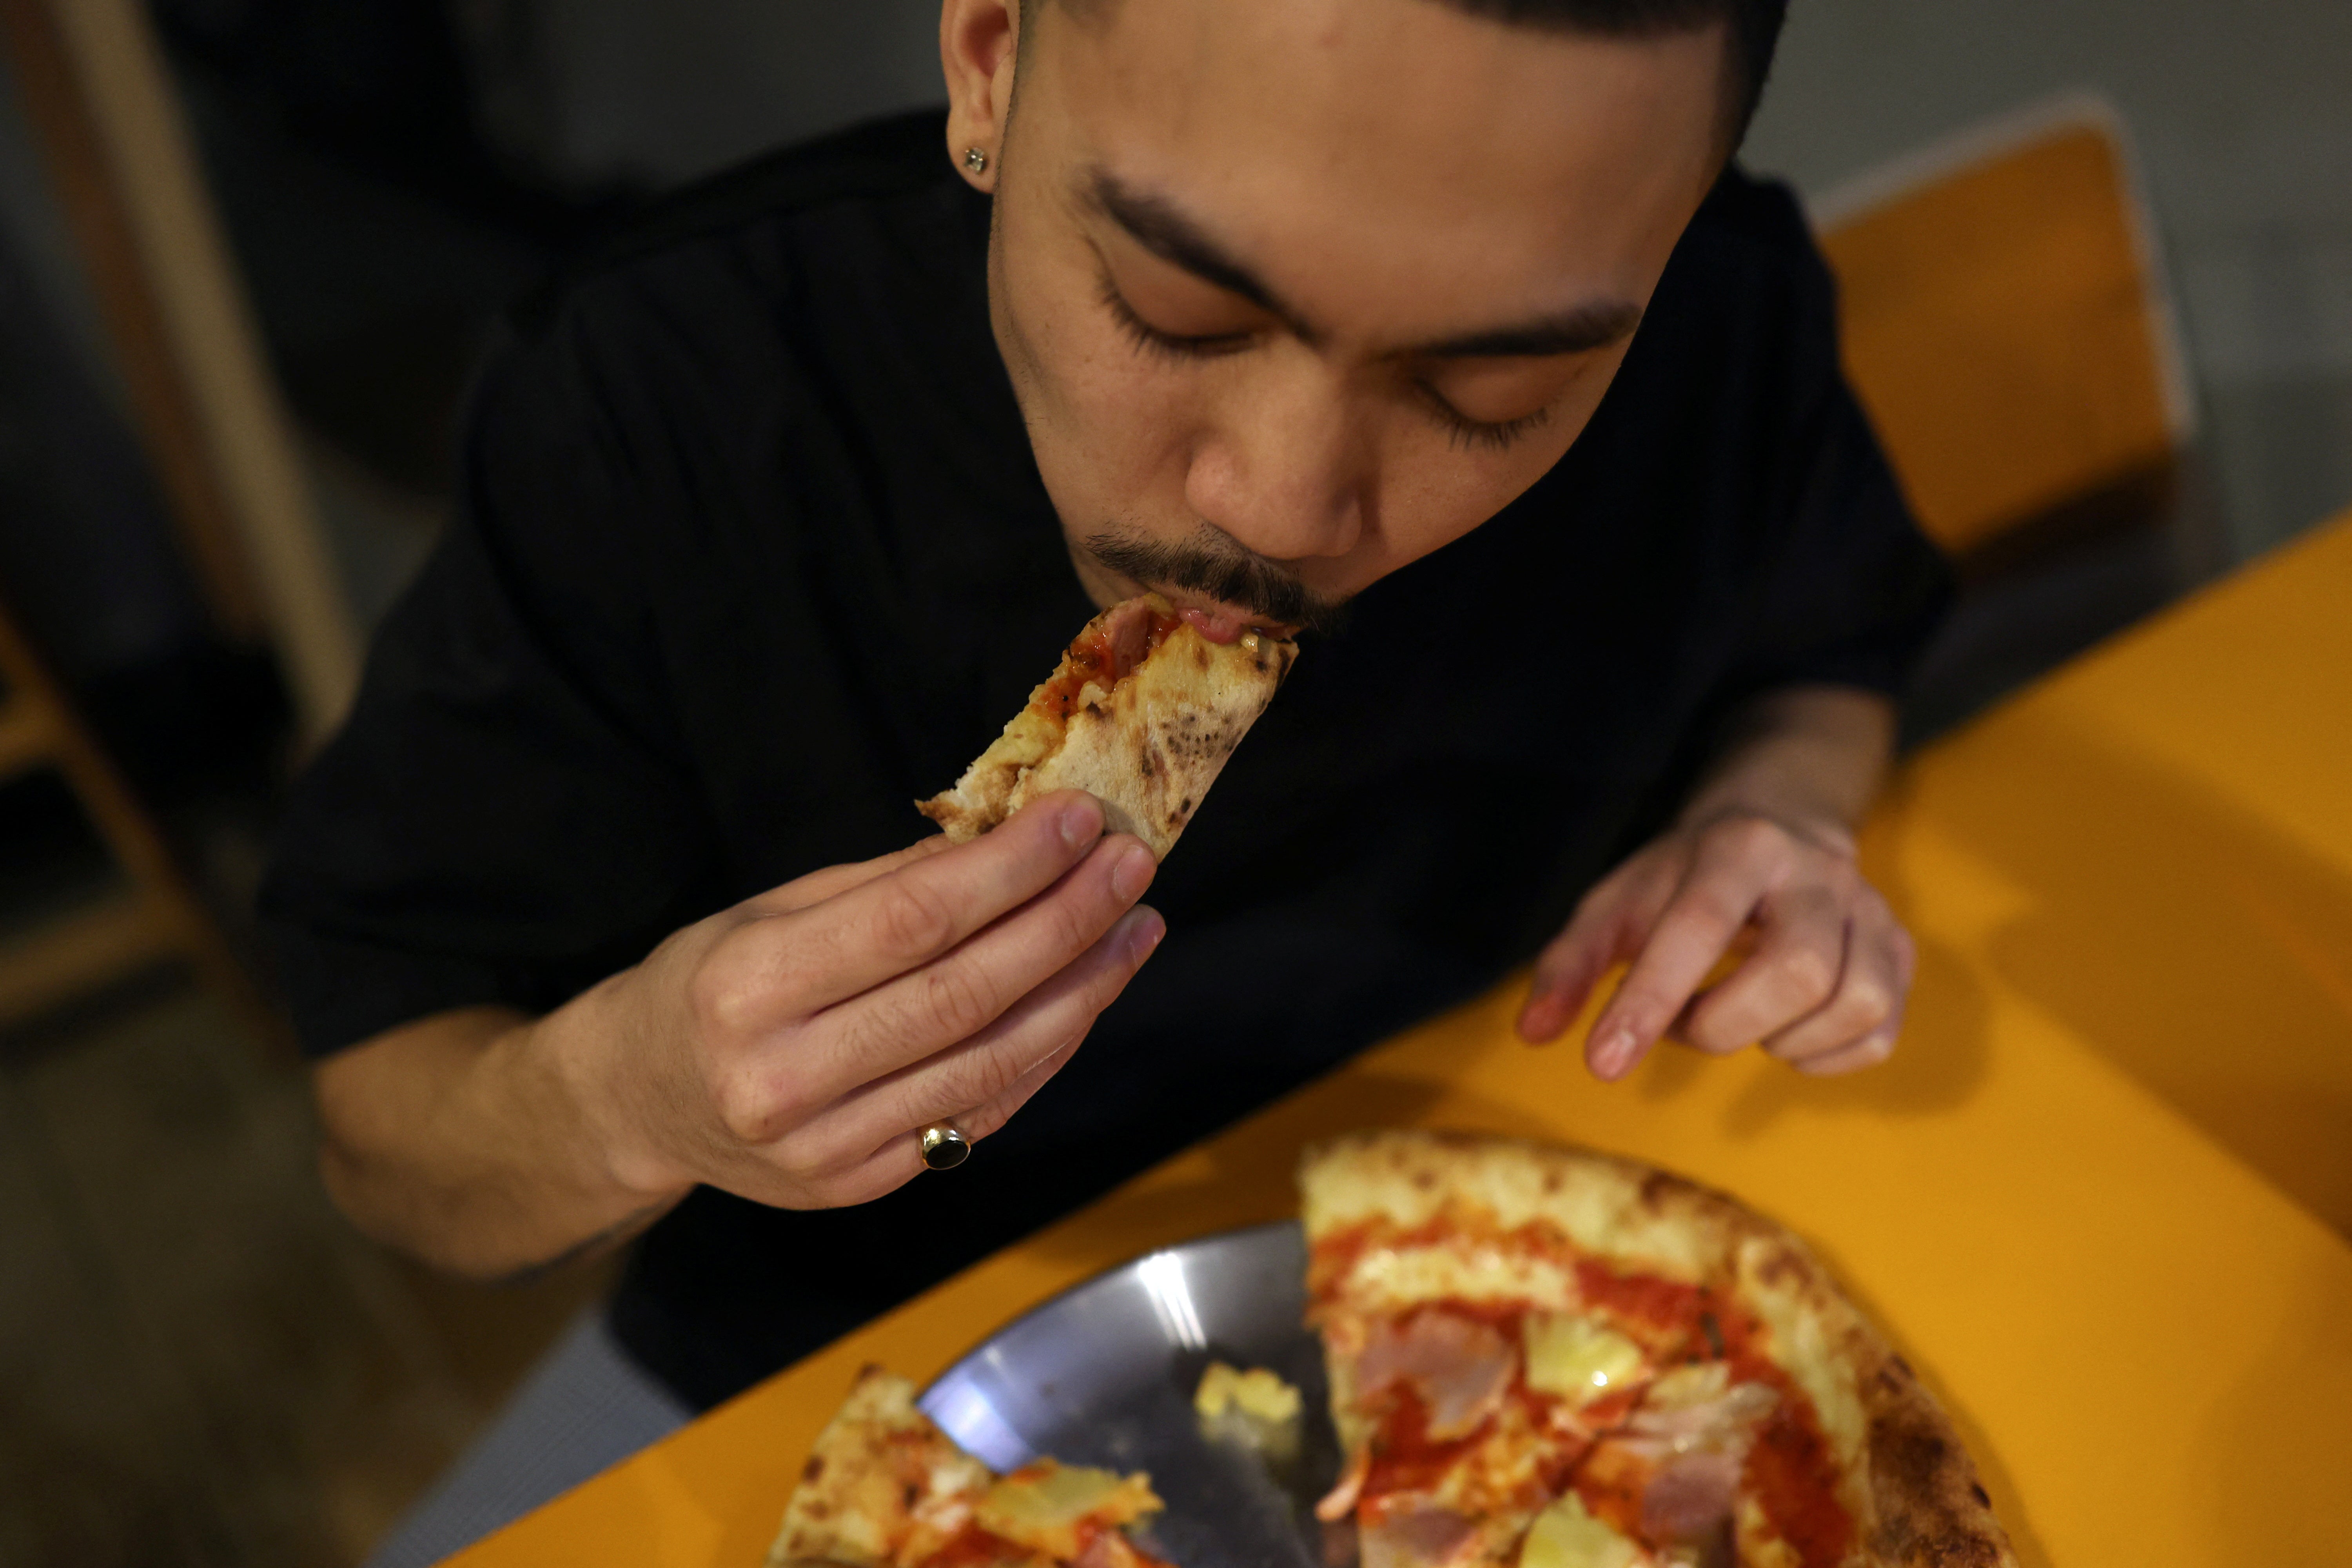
[581, 1052]
[1817, 823]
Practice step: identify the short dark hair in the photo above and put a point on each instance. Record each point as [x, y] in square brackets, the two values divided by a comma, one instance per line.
[1754, 27]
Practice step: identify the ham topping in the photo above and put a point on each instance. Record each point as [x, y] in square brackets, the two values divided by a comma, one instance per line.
[1692, 1497]
[1461, 1368]
[1424, 1537]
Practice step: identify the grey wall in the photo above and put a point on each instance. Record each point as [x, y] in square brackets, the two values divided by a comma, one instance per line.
[2242, 114]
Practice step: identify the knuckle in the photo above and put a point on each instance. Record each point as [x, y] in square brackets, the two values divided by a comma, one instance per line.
[959, 999]
[717, 999]
[1809, 975]
[1866, 1004]
[914, 917]
[1753, 838]
[745, 1109]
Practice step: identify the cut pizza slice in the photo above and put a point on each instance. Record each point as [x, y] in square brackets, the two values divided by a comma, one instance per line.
[885, 1488]
[1551, 1358]
[1142, 713]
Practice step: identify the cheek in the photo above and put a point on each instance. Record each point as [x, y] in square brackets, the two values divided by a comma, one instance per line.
[1434, 489]
[1109, 427]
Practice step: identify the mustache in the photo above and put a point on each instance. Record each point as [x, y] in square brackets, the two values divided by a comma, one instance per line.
[1211, 563]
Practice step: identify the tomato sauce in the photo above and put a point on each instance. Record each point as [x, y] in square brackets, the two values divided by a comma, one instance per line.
[1099, 658]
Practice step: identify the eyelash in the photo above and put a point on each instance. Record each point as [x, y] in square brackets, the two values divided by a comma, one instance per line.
[1151, 341]
[1462, 432]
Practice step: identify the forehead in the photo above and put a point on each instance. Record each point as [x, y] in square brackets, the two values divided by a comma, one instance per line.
[1358, 151]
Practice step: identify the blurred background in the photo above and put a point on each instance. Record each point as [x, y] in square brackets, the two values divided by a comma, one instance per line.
[2097, 257]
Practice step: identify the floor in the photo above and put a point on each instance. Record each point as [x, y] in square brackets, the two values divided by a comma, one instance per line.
[200, 1364]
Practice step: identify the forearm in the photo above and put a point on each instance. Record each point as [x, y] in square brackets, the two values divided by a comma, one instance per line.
[1808, 756]
[465, 1140]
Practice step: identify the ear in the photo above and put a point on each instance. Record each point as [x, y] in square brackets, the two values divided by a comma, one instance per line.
[978, 42]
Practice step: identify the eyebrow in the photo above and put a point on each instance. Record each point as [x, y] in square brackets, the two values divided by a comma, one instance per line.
[1161, 228]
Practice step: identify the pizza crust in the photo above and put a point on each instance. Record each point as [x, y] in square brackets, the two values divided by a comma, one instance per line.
[1908, 1482]
[1147, 744]
[882, 1473]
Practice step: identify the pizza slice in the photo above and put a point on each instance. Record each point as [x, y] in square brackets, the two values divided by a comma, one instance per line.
[1141, 713]
[885, 1488]
[1552, 1358]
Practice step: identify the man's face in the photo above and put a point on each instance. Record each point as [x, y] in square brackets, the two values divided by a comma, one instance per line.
[1293, 293]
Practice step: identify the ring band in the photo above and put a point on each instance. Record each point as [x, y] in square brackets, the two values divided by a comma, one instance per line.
[944, 1148]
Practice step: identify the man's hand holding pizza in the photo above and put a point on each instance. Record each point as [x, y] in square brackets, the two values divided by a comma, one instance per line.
[1762, 859]
[787, 1049]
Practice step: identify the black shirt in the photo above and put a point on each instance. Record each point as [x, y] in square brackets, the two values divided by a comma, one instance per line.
[752, 552]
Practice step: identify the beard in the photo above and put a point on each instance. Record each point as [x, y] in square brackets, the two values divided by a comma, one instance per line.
[1212, 563]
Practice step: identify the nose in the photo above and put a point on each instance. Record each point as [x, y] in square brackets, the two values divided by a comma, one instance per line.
[1279, 466]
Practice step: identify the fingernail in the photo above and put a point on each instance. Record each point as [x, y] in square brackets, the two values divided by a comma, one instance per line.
[1133, 873]
[1144, 929]
[1081, 823]
[1614, 1051]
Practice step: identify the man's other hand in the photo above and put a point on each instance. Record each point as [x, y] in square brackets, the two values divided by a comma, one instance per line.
[1826, 968]
[792, 1049]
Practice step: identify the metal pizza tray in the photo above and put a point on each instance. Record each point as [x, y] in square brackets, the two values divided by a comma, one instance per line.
[1104, 1374]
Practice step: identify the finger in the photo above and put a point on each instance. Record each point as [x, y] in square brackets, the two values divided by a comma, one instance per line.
[1046, 1025]
[1800, 957]
[958, 996]
[1706, 912]
[832, 880]
[1870, 992]
[992, 1117]
[1869, 1051]
[775, 971]
[1605, 930]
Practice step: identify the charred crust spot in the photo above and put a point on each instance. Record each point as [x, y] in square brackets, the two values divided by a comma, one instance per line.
[914, 1494]
[1975, 1490]
[1201, 654]
[1900, 1365]
[1424, 1179]
[1552, 1182]
[1778, 1267]
[813, 1471]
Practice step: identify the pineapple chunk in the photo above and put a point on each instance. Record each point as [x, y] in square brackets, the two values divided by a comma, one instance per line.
[1576, 1358]
[1256, 1392]
[1565, 1536]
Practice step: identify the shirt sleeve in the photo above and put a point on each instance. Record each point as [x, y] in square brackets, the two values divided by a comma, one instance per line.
[506, 816]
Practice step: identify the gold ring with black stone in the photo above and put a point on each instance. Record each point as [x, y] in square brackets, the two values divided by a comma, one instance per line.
[944, 1148]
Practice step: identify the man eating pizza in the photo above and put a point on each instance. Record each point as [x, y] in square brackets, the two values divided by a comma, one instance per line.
[1441, 333]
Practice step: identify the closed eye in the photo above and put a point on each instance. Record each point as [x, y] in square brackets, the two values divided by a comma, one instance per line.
[1151, 341]
[1464, 432]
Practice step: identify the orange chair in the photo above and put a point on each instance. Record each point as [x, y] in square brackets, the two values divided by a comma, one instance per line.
[2007, 325]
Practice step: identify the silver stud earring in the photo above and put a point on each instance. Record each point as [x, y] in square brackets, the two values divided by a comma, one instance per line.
[975, 160]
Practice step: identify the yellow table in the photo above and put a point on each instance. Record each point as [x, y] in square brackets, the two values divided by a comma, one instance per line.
[2173, 818]
[2149, 1347]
